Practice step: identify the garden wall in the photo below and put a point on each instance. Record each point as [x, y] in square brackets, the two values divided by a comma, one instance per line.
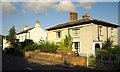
[69, 59]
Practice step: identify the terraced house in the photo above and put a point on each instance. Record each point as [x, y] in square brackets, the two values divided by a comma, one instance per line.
[88, 33]
[35, 33]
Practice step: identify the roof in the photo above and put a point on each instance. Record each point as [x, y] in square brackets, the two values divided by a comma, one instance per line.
[81, 22]
[25, 31]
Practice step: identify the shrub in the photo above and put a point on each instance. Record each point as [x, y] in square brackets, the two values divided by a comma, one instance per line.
[31, 47]
[92, 60]
[63, 50]
[102, 51]
[48, 47]
[107, 44]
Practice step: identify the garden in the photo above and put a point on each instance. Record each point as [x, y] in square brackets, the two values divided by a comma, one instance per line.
[108, 56]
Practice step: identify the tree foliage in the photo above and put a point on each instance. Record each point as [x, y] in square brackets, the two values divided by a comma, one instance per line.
[65, 44]
[12, 36]
[107, 44]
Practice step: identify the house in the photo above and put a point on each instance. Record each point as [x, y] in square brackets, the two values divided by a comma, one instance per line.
[6, 44]
[88, 33]
[35, 33]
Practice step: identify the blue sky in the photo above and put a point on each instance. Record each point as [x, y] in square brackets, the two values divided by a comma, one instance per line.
[52, 13]
[107, 11]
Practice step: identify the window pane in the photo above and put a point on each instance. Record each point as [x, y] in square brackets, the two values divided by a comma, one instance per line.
[58, 34]
[75, 32]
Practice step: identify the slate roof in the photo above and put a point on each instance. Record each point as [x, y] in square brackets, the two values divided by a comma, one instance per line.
[81, 22]
[25, 31]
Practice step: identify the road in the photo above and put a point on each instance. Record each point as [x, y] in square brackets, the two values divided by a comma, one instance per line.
[10, 62]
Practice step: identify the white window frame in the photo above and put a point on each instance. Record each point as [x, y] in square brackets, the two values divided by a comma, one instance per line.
[112, 32]
[100, 30]
[78, 49]
[78, 32]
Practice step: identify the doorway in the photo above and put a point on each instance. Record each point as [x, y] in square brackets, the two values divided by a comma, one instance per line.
[97, 47]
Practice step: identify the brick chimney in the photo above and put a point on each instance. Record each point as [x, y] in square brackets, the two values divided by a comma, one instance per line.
[73, 16]
[25, 27]
[86, 16]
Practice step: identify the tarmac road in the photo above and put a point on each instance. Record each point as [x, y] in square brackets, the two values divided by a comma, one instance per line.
[10, 62]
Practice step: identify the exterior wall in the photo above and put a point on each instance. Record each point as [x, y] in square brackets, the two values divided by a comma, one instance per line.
[35, 34]
[88, 36]
[104, 35]
[86, 39]
[21, 37]
[5, 44]
[52, 35]
[115, 38]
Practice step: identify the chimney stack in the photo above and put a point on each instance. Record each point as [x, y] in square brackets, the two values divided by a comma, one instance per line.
[73, 16]
[37, 24]
[86, 16]
[25, 27]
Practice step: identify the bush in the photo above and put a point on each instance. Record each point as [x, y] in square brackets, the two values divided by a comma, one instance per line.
[115, 50]
[102, 51]
[64, 50]
[92, 60]
[31, 47]
[48, 47]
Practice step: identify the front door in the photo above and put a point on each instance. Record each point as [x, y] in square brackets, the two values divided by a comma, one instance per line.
[97, 47]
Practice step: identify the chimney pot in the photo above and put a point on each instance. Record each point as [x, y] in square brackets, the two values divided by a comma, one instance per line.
[25, 27]
[86, 16]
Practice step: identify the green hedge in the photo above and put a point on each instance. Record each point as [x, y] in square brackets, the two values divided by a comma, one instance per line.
[43, 47]
[48, 47]
[31, 47]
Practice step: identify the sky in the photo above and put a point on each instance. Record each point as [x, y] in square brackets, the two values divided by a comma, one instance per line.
[52, 13]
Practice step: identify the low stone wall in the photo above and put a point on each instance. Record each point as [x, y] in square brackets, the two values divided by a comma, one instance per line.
[77, 61]
[70, 59]
[45, 56]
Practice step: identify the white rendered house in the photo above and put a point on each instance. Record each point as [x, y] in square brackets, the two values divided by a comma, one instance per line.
[88, 33]
[35, 33]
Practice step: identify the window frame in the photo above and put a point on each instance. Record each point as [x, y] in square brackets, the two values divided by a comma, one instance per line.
[58, 36]
[73, 32]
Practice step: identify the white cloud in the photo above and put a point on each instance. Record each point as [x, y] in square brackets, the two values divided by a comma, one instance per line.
[38, 7]
[87, 3]
[42, 7]
[65, 6]
[8, 7]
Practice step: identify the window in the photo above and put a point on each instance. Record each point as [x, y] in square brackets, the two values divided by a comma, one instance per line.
[58, 34]
[25, 36]
[76, 45]
[112, 32]
[100, 30]
[75, 32]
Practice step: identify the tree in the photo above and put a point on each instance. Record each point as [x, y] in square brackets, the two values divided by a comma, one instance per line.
[65, 44]
[107, 44]
[68, 40]
[12, 36]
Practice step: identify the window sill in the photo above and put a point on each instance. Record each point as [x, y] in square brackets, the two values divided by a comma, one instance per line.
[75, 36]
